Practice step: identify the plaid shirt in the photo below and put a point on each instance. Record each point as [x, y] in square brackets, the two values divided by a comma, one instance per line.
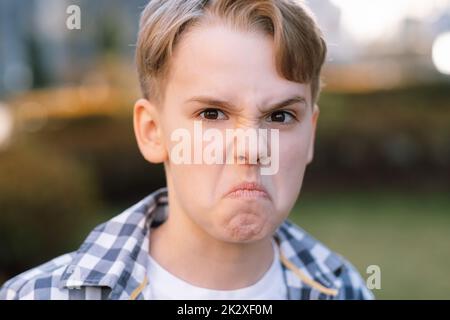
[112, 263]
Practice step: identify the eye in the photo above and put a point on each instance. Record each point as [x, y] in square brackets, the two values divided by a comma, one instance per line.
[212, 114]
[281, 116]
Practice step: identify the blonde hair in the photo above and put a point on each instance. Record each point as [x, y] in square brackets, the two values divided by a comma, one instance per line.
[300, 49]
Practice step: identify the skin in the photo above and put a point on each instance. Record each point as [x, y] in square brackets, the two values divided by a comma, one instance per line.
[217, 241]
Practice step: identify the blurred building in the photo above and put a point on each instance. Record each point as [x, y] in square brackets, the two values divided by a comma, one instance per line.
[37, 49]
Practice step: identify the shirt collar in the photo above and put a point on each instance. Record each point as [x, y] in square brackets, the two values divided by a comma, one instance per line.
[115, 253]
[311, 269]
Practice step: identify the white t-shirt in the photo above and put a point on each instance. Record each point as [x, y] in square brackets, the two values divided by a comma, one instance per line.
[165, 285]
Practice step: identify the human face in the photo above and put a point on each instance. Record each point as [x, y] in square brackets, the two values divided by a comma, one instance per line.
[231, 74]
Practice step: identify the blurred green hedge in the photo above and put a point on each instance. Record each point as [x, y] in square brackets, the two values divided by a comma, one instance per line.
[47, 202]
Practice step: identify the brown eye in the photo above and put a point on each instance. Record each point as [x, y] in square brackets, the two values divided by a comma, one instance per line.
[212, 114]
[281, 116]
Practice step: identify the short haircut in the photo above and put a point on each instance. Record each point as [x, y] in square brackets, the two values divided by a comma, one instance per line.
[300, 49]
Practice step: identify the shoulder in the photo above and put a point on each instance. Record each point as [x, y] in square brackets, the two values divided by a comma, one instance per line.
[38, 283]
[111, 257]
[353, 285]
[321, 263]
[44, 283]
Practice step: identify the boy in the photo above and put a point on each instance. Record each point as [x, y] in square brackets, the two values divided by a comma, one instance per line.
[219, 229]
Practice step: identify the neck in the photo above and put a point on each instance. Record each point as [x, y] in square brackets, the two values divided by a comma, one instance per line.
[191, 254]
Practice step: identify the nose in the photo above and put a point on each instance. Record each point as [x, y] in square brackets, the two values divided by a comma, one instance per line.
[248, 145]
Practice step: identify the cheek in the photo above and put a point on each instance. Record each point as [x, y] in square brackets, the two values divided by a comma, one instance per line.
[293, 159]
[294, 151]
[194, 178]
[198, 181]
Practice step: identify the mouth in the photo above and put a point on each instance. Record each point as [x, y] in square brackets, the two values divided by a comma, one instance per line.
[248, 190]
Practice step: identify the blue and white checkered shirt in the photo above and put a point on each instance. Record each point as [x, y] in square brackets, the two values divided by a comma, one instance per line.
[112, 263]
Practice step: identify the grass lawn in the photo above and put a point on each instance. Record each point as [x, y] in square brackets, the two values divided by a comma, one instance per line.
[407, 236]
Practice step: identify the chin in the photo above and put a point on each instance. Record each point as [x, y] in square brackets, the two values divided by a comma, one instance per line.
[246, 227]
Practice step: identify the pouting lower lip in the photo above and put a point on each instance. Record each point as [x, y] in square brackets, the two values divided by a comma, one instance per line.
[245, 193]
[248, 190]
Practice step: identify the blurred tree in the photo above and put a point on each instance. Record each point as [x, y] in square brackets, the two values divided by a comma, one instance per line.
[47, 204]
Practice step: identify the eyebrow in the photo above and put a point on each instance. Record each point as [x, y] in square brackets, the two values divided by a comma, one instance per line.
[222, 103]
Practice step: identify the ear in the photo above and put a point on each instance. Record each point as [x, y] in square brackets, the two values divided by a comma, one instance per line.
[314, 118]
[147, 129]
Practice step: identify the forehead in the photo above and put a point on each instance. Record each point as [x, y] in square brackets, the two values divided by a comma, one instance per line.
[231, 64]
